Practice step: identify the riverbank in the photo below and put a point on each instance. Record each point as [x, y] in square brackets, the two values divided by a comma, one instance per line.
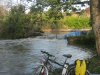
[33, 35]
[87, 42]
[40, 33]
[66, 30]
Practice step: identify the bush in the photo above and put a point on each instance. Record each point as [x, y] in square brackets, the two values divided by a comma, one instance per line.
[85, 41]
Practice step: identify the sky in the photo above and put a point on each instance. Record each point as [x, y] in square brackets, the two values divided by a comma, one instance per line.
[14, 2]
[3, 2]
[84, 0]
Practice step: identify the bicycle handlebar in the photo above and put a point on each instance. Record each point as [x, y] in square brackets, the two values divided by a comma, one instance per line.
[44, 52]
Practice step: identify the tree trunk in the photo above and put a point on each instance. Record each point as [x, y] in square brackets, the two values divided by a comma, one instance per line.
[95, 19]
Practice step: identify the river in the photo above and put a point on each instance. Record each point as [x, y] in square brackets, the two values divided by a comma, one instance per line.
[20, 56]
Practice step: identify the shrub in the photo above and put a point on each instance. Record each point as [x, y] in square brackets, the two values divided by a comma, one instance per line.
[85, 41]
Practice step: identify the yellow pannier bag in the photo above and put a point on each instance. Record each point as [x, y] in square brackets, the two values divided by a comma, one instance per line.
[80, 67]
[83, 68]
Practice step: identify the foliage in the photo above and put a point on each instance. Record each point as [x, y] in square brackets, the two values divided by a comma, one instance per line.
[94, 65]
[13, 24]
[3, 13]
[19, 25]
[77, 22]
[85, 40]
[54, 16]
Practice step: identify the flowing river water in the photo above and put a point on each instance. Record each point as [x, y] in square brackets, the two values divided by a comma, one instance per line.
[20, 56]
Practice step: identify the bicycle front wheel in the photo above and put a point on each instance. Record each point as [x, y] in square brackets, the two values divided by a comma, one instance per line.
[41, 70]
[72, 71]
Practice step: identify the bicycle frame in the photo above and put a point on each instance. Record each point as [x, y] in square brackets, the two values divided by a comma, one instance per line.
[46, 64]
[65, 65]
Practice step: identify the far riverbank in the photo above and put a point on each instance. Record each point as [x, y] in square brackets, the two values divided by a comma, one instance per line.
[65, 30]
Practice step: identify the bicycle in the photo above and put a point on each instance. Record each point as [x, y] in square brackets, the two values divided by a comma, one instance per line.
[67, 69]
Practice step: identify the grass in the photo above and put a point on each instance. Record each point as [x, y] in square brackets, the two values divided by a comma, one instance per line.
[72, 22]
[76, 22]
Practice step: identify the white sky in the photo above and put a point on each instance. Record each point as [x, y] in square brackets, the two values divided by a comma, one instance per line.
[85, 0]
[14, 2]
[2, 2]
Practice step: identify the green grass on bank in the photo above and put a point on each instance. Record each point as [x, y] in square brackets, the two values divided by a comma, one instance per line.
[72, 22]
[77, 22]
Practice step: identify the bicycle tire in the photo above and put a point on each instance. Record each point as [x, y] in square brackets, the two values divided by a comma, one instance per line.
[41, 70]
[72, 71]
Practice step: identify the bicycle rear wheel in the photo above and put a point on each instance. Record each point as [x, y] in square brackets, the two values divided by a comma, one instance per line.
[41, 70]
[72, 71]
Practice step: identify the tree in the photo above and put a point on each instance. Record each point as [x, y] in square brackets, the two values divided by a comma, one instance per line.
[54, 16]
[14, 24]
[36, 12]
[3, 13]
[95, 18]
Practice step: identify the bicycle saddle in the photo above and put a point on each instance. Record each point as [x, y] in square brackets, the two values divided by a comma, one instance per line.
[67, 55]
